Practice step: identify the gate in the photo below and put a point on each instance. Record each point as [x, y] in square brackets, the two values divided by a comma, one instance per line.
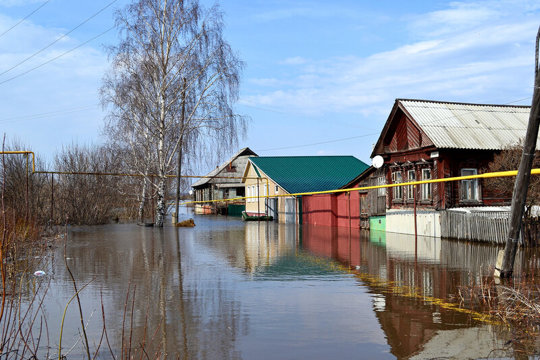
[271, 207]
[290, 210]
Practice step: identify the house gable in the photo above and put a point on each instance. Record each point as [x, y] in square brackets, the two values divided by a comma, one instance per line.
[228, 172]
[401, 133]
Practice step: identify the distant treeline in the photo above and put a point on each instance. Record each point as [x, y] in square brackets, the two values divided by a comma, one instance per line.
[73, 197]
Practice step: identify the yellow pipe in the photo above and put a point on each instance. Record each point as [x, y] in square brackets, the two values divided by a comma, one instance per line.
[457, 178]
[23, 152]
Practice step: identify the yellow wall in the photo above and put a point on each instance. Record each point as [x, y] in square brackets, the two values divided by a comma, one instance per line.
[252, 205]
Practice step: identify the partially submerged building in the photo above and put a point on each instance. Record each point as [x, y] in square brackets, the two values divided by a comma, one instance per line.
[424, 140]
[224, 182]
[270, 181]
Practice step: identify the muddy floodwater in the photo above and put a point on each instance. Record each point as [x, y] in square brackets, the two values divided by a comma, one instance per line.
[228, 289]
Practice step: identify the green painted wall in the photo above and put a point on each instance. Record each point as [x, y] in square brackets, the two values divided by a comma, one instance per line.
[377, 223]
[377, 237]
[235, 210]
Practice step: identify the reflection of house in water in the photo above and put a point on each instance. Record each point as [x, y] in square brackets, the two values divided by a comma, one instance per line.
[255, 245]
[424, 248]
[393, 268]
[265, 243]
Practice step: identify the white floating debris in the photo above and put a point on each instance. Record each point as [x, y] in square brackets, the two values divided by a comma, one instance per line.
[39, 273]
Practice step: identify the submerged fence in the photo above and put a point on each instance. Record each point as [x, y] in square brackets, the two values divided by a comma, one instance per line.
[478, 225]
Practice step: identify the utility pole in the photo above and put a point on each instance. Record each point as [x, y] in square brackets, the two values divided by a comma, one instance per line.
[521, 185]
[180, 146]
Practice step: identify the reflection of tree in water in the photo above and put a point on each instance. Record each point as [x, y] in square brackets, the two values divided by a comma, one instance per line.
[181, 308]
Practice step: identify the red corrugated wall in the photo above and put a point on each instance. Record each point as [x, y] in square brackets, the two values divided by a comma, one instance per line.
[332, 209]
[319, 209]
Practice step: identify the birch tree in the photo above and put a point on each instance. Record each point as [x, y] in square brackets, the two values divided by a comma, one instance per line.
[171, 88]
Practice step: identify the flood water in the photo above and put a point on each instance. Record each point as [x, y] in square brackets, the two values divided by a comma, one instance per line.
[228, 289]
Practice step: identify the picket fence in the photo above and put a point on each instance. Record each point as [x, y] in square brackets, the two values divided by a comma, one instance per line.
[478, 225]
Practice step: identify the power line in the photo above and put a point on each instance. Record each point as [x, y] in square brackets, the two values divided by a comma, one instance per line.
[47, 114]
[60, 38]
[319, 143]
[56, 57]
[366, 135]
[24, 18]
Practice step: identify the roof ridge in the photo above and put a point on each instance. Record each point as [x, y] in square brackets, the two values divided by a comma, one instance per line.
[461, 103]
[303, 156]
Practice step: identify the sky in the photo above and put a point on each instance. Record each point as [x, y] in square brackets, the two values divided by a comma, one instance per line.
[320, 77]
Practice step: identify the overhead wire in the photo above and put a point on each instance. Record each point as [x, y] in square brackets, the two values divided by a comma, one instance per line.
[56, 57]
[59, 38]
[47, 114]
[319, 143]
[24, 18]
[366, 135]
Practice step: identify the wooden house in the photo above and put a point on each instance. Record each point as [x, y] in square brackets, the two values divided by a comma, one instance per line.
[270, 179]
[224, 182]
[424, 140]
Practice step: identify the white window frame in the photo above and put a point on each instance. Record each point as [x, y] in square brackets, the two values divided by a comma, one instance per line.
[410, 188]
[426, 188]
[397, 191]
[469, 189]
[381, 180]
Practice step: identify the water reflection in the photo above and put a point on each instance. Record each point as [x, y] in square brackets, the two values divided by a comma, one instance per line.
[233, 290]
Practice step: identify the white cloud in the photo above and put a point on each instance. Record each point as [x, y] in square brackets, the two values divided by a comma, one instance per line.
[69, 82]
[469, 52]
[297, 60]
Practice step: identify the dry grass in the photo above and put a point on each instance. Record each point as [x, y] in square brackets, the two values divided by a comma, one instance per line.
[515, 303]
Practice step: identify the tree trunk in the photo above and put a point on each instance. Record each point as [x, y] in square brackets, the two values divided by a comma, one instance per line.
[180, 145]
[142, 203]
[161, 207]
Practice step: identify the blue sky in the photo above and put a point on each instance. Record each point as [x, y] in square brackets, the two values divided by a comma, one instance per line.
[320, 78]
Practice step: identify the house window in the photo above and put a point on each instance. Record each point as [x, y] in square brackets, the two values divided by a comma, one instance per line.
[426, 188]
[381, 181]
[411, 176]
[277, 189]
[469, 188]
[248, 189]
[397, 193]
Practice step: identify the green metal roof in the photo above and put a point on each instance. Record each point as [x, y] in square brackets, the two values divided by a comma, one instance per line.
[298, 174]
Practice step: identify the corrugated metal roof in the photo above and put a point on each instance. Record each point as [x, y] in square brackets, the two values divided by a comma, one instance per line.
[310, 173]
[469, 126]
[240, 161]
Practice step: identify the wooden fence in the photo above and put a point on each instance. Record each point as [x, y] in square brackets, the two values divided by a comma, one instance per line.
[487, 226]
